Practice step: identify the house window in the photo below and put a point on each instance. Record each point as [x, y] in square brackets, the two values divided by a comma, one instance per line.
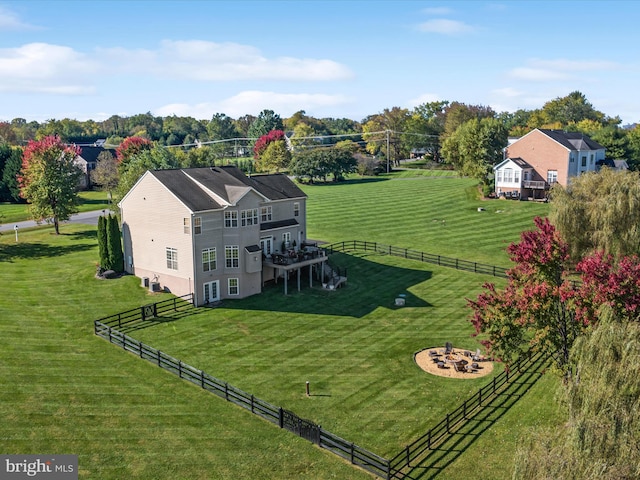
[172, 258]
[231, 218]
[233, 284]
[266, 243]
[265, 214]
[296, 209]
[584, 160]
[197, 225]
[508, 175]
[211, 293]
[231, 256]
[591, 159]
[552, 176]
[286, 238]
[208, 259]
[249, 217]
[516, 176]
[186, 223]
[499, 176]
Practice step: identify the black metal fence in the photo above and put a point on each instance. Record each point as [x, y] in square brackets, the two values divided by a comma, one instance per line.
[107, 328]
[430, 440]
[417, 255]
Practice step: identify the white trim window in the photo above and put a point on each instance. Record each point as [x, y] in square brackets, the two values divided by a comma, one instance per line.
[197, 225]
[286, 238]
[265, 213]
[186, 225]
[233, 285]
[516, 176]
[249, 217]
[508, 175]
[232, 256]
[172, 258]
[211, 291]
[296, 209]
[209, 261]
[552, 177]
[498, 176]
[231, 218]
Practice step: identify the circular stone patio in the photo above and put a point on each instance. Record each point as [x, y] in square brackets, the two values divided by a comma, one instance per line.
[425, 361]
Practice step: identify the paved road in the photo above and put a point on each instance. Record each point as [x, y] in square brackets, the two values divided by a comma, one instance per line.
[89, 218]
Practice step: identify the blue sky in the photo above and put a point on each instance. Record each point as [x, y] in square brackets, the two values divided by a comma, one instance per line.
[341, 58]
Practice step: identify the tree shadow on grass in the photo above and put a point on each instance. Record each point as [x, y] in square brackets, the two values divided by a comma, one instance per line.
[10, 253]
[168, 317]
[370, 285]
[351, 181]
[89, 234]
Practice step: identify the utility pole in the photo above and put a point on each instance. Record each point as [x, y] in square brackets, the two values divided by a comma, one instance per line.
[388, 132]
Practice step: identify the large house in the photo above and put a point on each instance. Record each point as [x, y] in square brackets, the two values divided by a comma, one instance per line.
[215, 232]
[534, 162]
[87, 162]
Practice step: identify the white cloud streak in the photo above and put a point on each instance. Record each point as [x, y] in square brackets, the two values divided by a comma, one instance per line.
[253, 102]
[45, 68]
[445, 27]
[10, 21]
[538, 70]
[208, 61]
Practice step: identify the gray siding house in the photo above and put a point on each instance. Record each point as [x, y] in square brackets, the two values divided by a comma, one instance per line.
[208, 230]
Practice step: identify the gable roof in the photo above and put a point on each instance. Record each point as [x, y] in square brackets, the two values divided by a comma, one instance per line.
[213, 188]
[572, 140]
[90, 153]
[517, 160]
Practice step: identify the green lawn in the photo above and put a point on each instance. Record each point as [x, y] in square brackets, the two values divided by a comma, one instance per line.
[89, 200]
[63, 390]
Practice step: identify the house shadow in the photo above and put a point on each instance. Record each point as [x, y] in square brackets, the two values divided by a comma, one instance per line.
[25, 250]
[370, 285]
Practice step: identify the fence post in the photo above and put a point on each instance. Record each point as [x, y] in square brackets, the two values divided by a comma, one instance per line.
[494, 385]
[201, 378]
[480, 397]
[119, 321]
[159, 358]
[448, 423]
[352, 451]
[429, 440]
[408, 456]
[180, 368]
[464, 410]
[252, 399]
[226, 391]
[140, 348]
[280, 416]
[174, 304]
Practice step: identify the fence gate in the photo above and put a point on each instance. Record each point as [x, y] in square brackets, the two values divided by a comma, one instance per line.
[304, 428]
[149, 311]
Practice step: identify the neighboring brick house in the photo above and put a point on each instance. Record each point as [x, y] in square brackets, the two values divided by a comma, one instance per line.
[543, 157]
[211, 231]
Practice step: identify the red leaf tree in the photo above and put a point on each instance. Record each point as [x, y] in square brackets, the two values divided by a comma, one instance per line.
[130, 147]
[263, 142]
[49, 180]
[542, 308]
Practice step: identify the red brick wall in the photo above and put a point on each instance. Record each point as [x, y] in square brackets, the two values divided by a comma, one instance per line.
[543, 154]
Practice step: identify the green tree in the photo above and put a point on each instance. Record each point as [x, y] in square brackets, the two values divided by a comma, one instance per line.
[276, 157]
[456, 114]
[49, 180]
[303, 136]
[385, 130]
[103, 243]
[114, 242]
[10, 174]
[266, 121]
[599, 211]
[106, 172]
[158, 158]
[425, 127]
[600, 437]
[475, 147]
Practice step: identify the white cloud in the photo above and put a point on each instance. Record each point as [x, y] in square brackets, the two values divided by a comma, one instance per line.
[437, 11]
[45, 68]
[209, 61]
[422, 99]
[538, 70]
[508, 92]
[10, 21]
[445, 26]
[253, 102]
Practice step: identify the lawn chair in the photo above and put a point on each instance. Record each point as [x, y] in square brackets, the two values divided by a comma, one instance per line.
[477, 356]
[441, 364]
[459, 367]
[448, 348]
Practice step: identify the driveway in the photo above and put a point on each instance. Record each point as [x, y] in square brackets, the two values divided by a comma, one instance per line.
[88, 218]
